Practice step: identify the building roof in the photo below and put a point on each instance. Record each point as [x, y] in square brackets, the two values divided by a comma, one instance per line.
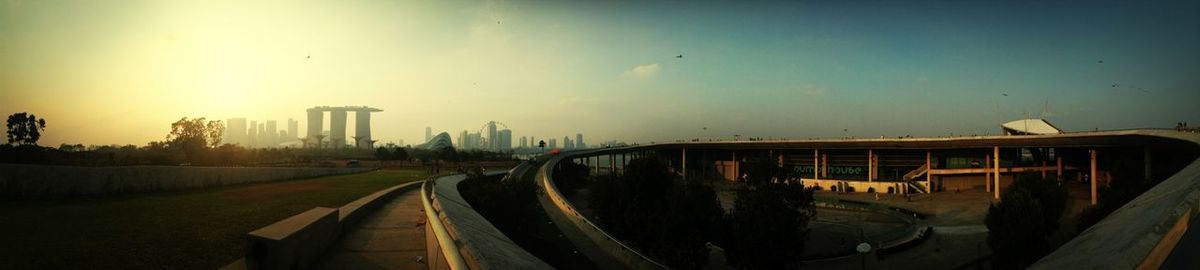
[1031, 126]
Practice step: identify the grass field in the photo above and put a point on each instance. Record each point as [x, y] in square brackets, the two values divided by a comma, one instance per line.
[191, 229]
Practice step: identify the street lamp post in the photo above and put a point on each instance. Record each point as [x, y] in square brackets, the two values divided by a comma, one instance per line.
[863, 248]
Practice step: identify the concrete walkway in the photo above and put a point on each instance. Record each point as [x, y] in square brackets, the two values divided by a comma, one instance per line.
[393, 237]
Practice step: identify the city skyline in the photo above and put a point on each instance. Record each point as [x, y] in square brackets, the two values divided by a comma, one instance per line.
[120, 72]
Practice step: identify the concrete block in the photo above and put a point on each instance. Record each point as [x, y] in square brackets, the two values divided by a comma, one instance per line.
[293, 243]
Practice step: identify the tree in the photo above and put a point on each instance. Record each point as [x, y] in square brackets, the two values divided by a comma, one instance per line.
[769, 222]
[400, 154]
[382, 154]
[24, 128]
[192, 137]
[1018, 226]
[215, 131]
[447, 154]
[683, 215]
[1125, 186]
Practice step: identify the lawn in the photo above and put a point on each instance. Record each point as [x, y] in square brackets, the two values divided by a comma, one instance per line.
[190, 229]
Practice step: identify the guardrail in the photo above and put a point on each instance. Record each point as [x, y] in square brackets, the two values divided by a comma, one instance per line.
[449, 249]
[608, 247]
[1143, 233]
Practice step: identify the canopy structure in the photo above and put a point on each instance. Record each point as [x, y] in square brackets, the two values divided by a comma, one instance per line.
[1031, 126]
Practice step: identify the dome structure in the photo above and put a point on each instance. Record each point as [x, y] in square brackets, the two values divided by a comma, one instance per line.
[441, 141]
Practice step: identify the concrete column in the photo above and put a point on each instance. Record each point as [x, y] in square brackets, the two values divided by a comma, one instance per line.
[1058, 159]
[825, 165]
[622, 162]
[987, 172]
[1092, 153]
[683, 161]
[780, 160]
[736, 176]
[316, 119]
[1043, 170]
[870, 165]
[928, 171]
[337, 128]
[815, 164]
[996, 166]
[612, 164]
[362, 129]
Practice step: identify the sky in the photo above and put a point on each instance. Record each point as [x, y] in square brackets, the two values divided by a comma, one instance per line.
[119, 72]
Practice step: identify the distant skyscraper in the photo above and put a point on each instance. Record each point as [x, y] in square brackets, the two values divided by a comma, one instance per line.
[567, 143]
[293, 129]
[493, 142]
[524, 142]
[505, 142]
[553, 143]
[271, 135]
[428, 134]
[476, 141]
[235, 130]
[262, 135]
[579, 141]
[533, 142]
[462, 140]
[252, 135]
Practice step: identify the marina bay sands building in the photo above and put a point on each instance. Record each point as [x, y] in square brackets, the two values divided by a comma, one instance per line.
[337, 126]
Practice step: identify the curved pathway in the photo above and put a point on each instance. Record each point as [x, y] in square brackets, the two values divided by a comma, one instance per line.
[391, 237]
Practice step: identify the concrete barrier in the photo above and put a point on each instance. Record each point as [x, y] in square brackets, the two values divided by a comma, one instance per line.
[480, 244]
[293, 243]
[262, 243]
[603, 249]
[1142, 233]
[355, 211]
[21, 180]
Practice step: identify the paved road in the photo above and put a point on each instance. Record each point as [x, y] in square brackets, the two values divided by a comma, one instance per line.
[393, 237]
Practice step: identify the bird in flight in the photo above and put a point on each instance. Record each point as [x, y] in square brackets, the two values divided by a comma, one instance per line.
[1005, 94]
[1102, 61]
[679, 56]
[1117, 85]
[309, 57]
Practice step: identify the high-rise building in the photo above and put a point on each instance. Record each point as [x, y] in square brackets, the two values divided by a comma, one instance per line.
[505, 142]
[262, 135]
[552, 143]
[293, 129]
[337, 129]
[476, 141]
[567, 144]
[533, 142]
[579, 141]
[493, 142]
[462, 140]
[235, 131]
[271, 135]
[524, 142]
[428, 134]
[252, 135]
[316, 124]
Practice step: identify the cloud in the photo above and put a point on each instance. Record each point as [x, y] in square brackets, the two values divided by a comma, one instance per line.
[643, 71]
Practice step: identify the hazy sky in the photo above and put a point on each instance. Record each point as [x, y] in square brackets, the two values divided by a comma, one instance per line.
[119, 72]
